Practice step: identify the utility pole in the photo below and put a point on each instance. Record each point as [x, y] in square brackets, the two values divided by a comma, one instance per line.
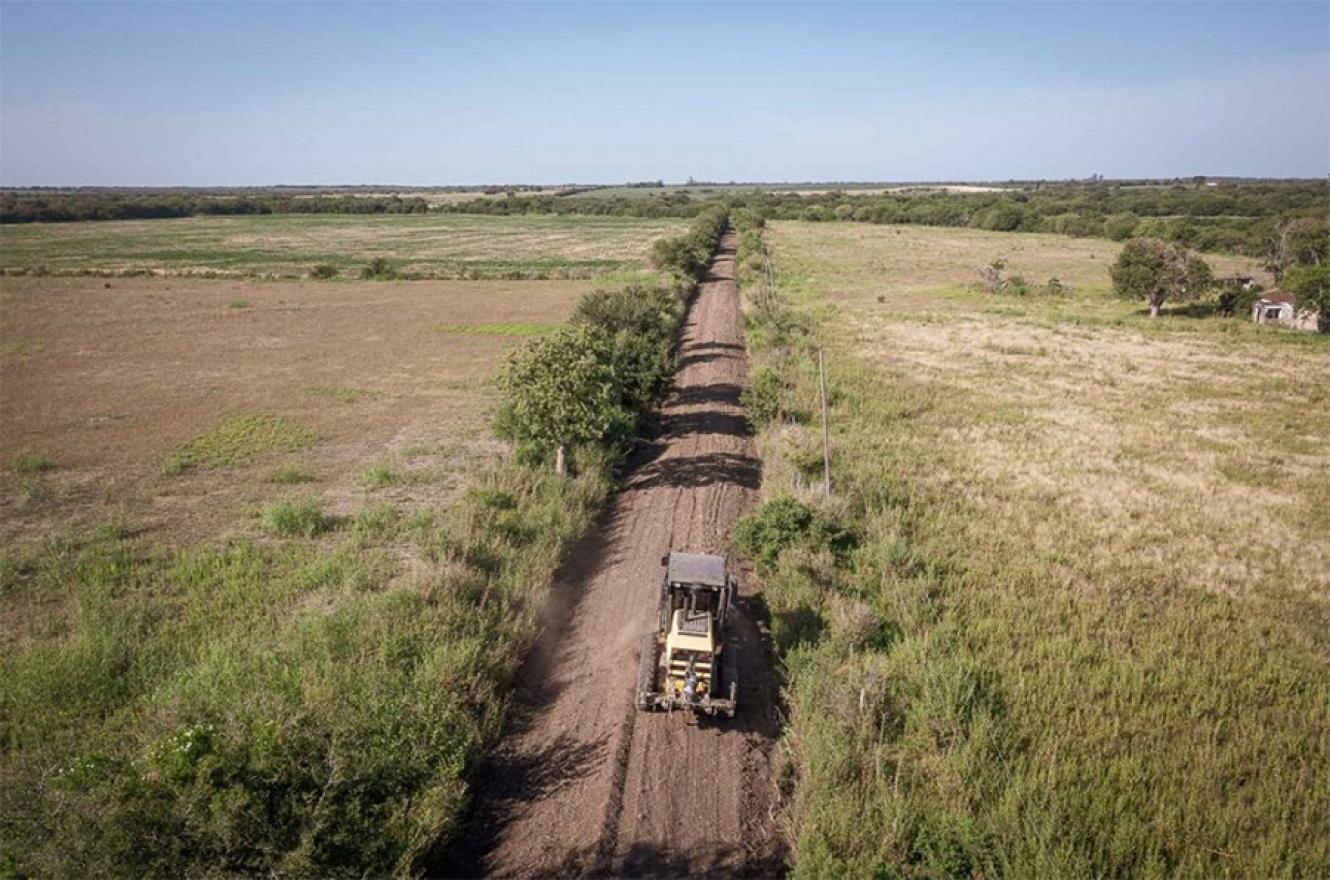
[826, 436]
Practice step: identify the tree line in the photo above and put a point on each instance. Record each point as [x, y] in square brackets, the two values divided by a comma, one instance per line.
[44, 207]
[1236, 218]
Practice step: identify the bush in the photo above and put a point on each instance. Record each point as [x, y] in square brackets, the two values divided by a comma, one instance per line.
[323, 271]
[27, 464]
[1120, 227]
[290, 475]
[379, 269]
[787, 522]
[762, 399]
[1236, 298]
[292, 519]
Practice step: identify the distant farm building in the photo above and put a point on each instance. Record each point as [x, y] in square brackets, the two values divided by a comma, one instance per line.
[1279, 307]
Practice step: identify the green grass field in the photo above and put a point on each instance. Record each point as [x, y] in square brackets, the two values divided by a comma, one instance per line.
[290, 246]
[1083, 627]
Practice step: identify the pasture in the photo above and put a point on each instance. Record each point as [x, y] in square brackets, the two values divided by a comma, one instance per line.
[443, 246]
[232, 506]
[111, 379]
[1097, 543]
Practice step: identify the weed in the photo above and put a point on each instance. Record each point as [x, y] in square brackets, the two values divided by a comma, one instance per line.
[500, 329]
[379, 269]
[290, 475]
[239, 303]
[378, 522]
[292, 519]
[339, 393]
[381, 476]
[28, 464]
[238, 439]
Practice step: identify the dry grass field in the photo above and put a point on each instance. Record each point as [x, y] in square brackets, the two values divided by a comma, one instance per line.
[290, 245]
[106, 381]
[257, 522]
[1098, 547]
[1200, 447]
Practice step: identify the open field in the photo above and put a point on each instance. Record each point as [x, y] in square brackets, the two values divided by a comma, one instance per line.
[250, 527]
[266, 576]
[1084, 631]
[109, 380]
[289, 246]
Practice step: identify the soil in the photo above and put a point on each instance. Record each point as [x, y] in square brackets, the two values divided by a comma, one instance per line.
[583, 783]
[107, 377]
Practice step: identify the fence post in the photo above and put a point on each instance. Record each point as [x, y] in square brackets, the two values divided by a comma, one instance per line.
[826, 435]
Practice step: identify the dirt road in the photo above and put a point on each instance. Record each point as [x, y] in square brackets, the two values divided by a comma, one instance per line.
[583, 783]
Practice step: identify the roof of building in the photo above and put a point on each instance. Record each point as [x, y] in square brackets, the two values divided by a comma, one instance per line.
[696, 568]
[1278, 296]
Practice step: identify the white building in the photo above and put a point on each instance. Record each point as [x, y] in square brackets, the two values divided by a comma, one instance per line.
[1278, 307]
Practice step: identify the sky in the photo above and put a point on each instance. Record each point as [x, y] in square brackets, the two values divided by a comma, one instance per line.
[168, 94]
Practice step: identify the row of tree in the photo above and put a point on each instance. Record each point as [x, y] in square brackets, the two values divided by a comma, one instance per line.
[69, 207]
[1229, 218]
[588, 384]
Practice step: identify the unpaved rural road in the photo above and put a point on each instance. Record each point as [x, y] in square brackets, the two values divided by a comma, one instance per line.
[583, 783]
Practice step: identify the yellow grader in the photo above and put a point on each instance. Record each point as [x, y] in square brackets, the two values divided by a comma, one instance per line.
[691, 660]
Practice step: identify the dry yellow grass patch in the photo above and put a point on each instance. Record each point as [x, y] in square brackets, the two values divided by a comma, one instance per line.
[1181, 446]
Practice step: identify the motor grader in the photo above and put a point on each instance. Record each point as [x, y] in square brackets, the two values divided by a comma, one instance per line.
[691, 661]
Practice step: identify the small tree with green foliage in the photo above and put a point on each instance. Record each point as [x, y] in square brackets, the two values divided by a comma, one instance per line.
[1311, 286]
[562, 390]
[1157, 271]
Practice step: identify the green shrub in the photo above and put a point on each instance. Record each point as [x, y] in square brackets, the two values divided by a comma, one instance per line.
[786, 522]
[292, 519]
[379, 269]
[27, 464]
[763, 398]
[381, 476]
[1120, 227]
[290, 475]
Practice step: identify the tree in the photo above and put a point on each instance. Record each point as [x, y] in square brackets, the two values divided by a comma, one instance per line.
[1311, 286]
[562, 391]
[1301, 242]
[1158, 271]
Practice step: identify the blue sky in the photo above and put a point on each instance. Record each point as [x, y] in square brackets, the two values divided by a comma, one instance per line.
[438, 93]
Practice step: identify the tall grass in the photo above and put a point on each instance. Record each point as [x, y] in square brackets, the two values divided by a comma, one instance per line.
[966, 700]
[274, 707]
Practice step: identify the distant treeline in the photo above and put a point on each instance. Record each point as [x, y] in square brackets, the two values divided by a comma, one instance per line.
[1225, 218]
[40, 207]
[667, 204]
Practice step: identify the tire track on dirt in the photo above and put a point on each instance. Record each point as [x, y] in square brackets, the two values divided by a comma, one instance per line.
[582, 783]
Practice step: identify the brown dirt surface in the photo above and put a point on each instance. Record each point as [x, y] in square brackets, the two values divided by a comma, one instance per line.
[584, 783]
[107, 378]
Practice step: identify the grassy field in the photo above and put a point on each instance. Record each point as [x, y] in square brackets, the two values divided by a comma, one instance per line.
[290, 246]
[1083, 627]
[264, 574]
